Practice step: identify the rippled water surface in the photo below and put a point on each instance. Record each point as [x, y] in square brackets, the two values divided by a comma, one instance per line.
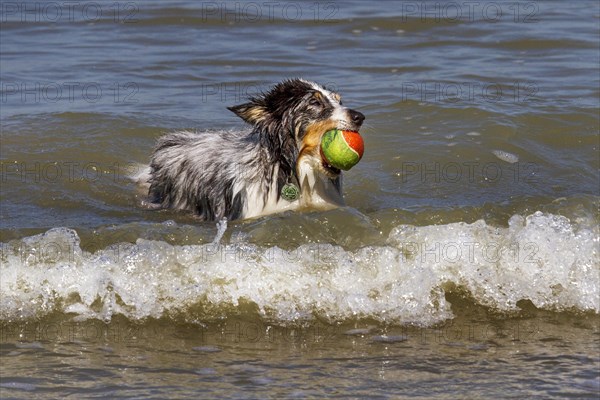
[466, 264]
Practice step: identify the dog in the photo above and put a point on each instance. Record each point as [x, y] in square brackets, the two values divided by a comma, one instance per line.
[275, 166]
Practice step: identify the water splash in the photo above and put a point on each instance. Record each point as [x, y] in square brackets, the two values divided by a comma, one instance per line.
[543, 258]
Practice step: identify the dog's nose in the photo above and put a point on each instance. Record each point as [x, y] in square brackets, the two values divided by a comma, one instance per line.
[357, 117]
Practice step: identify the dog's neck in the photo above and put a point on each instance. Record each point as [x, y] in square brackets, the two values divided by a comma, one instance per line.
[277, 137]
[317, 189]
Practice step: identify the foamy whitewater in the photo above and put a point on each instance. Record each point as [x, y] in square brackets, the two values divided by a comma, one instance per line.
[544, 258]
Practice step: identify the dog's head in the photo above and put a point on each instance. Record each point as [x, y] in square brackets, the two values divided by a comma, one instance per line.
[291, 119]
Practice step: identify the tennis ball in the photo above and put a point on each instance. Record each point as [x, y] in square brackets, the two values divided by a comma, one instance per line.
[342, 149]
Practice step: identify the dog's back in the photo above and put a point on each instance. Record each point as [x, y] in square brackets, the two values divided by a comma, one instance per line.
[201, 172]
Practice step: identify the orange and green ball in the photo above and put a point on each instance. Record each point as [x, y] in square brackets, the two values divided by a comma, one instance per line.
[342, 149]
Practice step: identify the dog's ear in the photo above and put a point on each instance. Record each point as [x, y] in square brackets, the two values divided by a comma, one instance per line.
[252, 112]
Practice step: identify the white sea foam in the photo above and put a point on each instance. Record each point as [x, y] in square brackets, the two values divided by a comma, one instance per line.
[543, 258]
[506, 156]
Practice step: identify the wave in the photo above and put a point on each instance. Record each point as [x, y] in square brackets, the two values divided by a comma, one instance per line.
[544, 258]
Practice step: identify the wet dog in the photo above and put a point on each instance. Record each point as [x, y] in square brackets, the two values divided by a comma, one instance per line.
[275, 166]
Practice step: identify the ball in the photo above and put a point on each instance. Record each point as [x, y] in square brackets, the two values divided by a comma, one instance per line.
[342, 149]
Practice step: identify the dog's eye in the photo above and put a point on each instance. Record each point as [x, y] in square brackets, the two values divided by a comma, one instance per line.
[315, 102]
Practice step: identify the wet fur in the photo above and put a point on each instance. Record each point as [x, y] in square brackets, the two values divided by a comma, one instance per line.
[240, 174]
